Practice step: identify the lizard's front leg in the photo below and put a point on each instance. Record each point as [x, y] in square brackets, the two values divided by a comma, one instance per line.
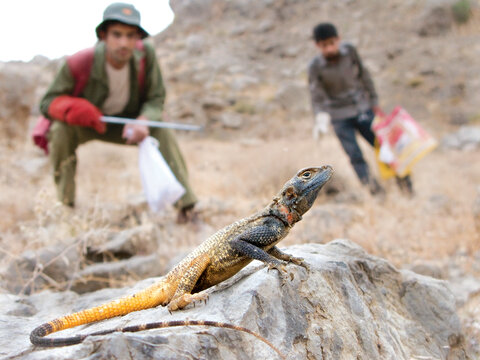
[251, 244]
[183, 296]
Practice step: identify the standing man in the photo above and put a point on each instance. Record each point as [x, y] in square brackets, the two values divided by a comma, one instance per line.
[123, 79]
[342, 87]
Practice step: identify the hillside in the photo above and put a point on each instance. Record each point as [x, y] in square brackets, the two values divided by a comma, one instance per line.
[250, 57]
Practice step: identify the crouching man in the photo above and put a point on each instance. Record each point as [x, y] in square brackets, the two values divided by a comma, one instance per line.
[120, 77]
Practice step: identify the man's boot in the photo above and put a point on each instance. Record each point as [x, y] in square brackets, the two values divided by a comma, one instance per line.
[187, 214]
[405, 185]
[375, 188]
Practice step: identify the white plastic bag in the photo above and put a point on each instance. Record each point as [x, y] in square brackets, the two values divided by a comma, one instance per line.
[320, 127]
[159, 184]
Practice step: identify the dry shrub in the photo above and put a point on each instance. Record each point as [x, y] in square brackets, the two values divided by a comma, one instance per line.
[462, 11]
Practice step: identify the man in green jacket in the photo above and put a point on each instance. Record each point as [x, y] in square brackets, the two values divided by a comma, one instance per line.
[115, 88]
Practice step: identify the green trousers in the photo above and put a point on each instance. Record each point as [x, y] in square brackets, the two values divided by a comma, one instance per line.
[64, 140]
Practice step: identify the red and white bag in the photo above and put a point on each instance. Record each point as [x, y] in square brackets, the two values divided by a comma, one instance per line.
[402, 141]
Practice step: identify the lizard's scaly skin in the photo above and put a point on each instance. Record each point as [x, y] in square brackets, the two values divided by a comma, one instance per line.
[218, 258]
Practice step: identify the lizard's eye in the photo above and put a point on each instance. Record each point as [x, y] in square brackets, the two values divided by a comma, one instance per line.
[306, 175]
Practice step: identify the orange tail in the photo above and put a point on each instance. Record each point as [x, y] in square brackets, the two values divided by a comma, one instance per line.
[145, 299]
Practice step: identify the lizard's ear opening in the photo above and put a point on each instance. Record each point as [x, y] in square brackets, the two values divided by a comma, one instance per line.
[290, 193]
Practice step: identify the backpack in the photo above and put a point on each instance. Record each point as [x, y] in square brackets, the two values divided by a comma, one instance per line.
[80, 65]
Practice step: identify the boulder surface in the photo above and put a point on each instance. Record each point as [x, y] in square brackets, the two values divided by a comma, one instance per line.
[348, 305]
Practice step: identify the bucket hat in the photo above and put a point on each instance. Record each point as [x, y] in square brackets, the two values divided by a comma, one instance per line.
[124, 13]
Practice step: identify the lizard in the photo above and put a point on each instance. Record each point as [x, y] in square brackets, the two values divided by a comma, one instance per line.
[218, 258]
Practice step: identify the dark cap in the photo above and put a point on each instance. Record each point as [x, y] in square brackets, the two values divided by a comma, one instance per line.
[124, 13]
[324, 31]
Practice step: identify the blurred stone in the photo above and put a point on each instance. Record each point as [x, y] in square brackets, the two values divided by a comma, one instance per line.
[290, 52]
[195, 43]
[466, 138]
[458, 118]
[65, 266]
[241, 82]
[464, 287]
[214, 103]
[293, 97]
[239, 29]
[110, 274]
[265, 26]
[127, 243]
[127, 214]
[51, 266]
[192, 12]
[436, 20]
[432, 270]
[232, 120]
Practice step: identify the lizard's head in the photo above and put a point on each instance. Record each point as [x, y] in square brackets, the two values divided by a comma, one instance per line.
[299, 193]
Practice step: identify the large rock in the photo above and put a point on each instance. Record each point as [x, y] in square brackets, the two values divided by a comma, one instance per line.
[101, 275]
[349, 305]
[114, 256]
[34, 270]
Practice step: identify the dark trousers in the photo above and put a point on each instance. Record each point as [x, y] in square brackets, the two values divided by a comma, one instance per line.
[346, 133]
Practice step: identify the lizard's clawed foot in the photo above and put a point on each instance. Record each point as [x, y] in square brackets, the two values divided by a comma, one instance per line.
[182, 301]
[298, 261]
[285, 277]
[281, 267]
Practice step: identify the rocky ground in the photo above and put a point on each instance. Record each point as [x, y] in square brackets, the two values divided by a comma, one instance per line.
[239, 69]
[385, 314]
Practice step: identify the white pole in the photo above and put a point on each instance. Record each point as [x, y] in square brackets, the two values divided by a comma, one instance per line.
[149, 123]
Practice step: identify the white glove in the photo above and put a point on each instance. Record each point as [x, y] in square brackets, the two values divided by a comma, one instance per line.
[322, 120]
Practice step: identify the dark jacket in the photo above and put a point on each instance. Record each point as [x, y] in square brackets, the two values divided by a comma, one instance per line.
[96, 89]
[342, 88]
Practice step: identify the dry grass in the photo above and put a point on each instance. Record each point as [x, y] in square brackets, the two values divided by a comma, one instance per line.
[245, 174]
[435, 224]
